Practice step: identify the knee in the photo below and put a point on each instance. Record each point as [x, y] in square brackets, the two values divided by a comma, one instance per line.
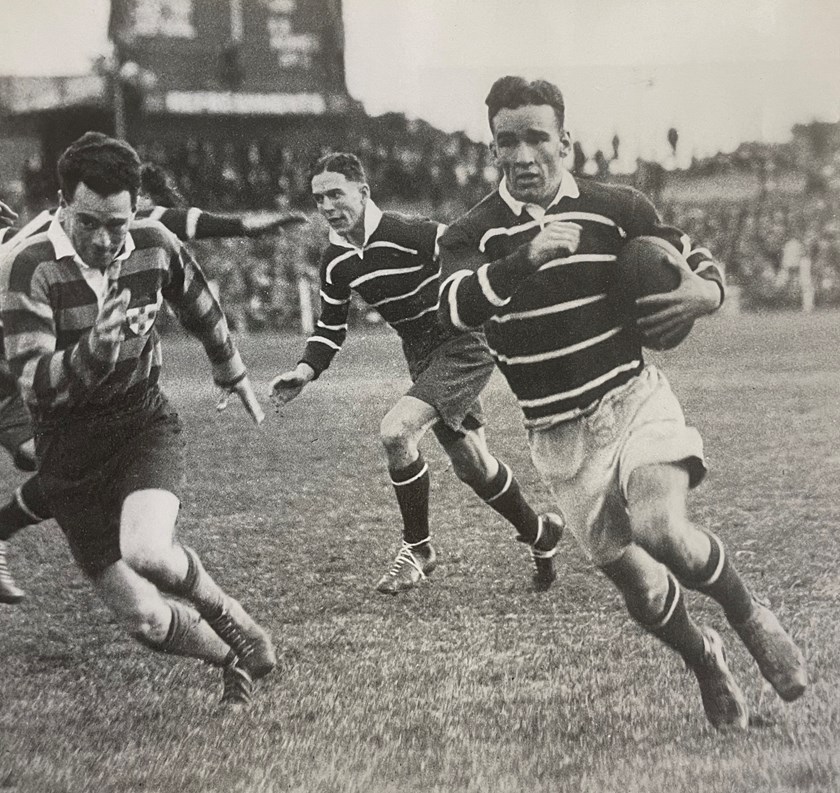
[396, 434]
[642, 582]
[645, 603]
[658, 527]
[147, 623]
[151, 560]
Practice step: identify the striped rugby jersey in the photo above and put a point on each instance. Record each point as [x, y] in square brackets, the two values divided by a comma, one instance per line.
[396, 272]
[185, 223]
[563, 336]
[49, 307]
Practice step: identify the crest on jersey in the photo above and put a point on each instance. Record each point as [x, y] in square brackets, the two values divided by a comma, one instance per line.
[140, 319]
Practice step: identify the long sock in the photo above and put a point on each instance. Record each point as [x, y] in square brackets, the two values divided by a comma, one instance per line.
[411, 484]
[504, 495]
[721, 581]
[26, 507]
[675, 627]
[200, 589]
[225, 617]
[191, 636]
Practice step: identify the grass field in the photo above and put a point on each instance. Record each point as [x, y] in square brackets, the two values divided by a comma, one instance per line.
[471, 682]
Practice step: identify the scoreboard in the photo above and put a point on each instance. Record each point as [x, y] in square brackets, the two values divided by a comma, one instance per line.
[235, 57]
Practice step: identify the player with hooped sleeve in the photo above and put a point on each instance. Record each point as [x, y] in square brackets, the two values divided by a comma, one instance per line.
[534, 264]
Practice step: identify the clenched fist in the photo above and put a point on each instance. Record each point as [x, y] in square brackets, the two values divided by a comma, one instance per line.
[556, 239]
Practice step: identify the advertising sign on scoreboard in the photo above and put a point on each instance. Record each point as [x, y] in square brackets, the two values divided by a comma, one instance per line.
[235, 56]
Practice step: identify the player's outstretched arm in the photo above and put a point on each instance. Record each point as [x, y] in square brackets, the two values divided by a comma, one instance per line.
[285, 387]
[272, 223]
[195, 224]
[201, 315]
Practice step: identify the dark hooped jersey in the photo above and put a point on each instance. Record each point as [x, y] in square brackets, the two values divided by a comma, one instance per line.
[565, 335]
[396, 272]
[50, 304]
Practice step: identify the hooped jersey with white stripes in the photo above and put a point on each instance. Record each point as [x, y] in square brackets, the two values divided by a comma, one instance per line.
[396, 272]
[563, 335]
[50, 307]
[186, 223]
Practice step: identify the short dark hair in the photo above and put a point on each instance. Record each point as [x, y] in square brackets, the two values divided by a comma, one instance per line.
[513, 92]
[106, 165]
[159, 185]
[340, 162]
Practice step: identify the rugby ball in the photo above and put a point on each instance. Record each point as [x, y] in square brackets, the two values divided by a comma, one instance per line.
[651, 266]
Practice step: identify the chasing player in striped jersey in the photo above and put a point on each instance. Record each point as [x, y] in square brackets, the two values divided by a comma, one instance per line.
[159, 199]
[391, 262]
[79, 308]
[534, 264]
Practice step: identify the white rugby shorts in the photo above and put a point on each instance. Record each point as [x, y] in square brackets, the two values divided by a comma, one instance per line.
[587, 461]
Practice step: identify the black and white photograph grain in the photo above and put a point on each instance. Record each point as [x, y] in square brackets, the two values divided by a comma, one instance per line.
[419, 396]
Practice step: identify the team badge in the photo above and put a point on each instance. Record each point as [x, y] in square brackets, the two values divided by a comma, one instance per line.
[140, 319]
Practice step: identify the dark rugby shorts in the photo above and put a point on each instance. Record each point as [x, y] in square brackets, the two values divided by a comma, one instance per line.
[90, 466]
[15, 423]
[450, 378]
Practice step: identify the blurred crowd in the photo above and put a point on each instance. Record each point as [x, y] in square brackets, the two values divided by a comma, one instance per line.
[781, 248]
[782, 251]
[407, 160]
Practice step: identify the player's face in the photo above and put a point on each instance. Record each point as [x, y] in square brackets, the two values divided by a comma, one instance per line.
[529, 147]
[97, 225]
[341, 202]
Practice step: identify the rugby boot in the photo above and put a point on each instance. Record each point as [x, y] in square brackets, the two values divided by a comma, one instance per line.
[779, 659]
[723, 700]
[248, 640]
[544, 549]
[238, 686]
[411, 565]
[9, 591]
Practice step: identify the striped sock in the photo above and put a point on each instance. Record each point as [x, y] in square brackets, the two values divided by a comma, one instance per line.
[191, 636]
[675, 627]
[411, 485]
[722, 582]
[504, 495]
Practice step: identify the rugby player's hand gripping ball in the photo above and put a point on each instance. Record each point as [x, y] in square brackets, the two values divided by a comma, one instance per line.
[668, 297]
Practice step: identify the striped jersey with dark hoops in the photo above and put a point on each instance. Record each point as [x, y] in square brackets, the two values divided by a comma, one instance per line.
[396, 272]
[565, 335]
[49, 309]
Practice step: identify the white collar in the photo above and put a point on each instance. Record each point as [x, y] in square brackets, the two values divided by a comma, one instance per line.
[63, 247]
[568, 189]
[373, 216]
